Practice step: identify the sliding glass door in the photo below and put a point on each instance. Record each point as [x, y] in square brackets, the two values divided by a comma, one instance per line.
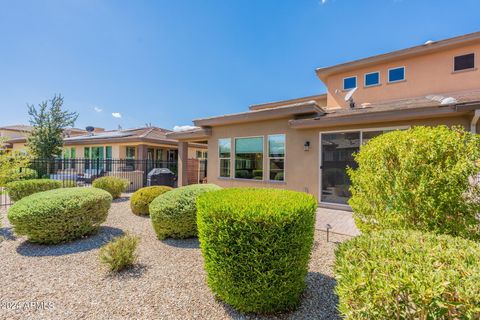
[337, 155]
[337, 151]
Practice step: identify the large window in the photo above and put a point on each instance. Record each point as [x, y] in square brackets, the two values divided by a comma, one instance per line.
[464, 62]
[249, 158]
[396, 74]
[349, 83]
[276, 157]
[224, 155]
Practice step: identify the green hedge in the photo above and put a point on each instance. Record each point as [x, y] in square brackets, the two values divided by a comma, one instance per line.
[20, 189]
[141, 199]
[60, 215]
[174, 213]
[418, 179]
[256, 244]
[408, 275]
[113, 185]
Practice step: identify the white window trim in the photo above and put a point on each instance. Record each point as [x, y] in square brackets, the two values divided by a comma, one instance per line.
[343, 83]
[232, 174]
[346, 206]
[371, 85]
[464, 54]
[223, 158]
[284, 159]
[394, 68]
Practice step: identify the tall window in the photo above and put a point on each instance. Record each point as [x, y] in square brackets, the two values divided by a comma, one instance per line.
[396, 74]
[276, 157]
[249, 158]
[108, 156]
[224, 154]
[349, 83]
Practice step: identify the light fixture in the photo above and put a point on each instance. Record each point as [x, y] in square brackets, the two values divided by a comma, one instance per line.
[306, 146]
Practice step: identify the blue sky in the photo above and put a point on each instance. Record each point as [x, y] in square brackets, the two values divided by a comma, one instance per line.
[168, 62]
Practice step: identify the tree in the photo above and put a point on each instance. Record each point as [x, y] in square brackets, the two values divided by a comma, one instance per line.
[49, 123]
[13, 165]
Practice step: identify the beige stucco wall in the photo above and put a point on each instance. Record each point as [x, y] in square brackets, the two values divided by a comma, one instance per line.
[301, 167]
[425, 74]
[12, 134]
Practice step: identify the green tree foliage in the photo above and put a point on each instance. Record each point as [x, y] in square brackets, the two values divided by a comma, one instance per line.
[49, 123]
[420, 179]
[12, 165]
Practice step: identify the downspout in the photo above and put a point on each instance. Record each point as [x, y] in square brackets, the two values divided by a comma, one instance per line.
[473, 123]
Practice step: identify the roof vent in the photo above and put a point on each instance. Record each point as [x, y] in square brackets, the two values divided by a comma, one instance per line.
[442, 100]
[429, 42]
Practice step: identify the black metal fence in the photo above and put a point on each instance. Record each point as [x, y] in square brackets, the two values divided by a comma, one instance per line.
[82, 172]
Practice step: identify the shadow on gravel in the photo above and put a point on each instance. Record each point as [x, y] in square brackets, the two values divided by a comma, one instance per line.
[135, 271]
[121, 199]
[89, 243]
[190, 243]
[318, 301]
[7, 234]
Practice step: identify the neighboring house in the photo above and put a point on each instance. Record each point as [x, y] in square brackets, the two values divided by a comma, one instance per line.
[306, 144]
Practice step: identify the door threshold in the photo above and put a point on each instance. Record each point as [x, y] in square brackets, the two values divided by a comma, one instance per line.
[335, 206]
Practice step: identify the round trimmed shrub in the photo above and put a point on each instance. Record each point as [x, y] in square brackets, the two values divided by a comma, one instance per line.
[113, 185]
[60, 215]
[418, 179]
[141, 199]
[408, 275]
[256, 244]
[174, 213]
[22, 188]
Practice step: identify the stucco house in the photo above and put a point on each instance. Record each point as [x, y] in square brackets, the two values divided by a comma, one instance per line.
[306, 144]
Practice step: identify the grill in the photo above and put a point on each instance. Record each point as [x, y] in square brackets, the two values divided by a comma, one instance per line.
[161, 177]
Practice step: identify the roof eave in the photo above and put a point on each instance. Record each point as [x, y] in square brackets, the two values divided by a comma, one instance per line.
[310, 107]
[196, 134]
[378, 117]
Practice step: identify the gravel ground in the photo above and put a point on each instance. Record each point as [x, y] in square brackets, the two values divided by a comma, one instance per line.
[67, 282]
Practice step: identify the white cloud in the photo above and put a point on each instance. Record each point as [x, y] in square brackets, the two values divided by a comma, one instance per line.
[97, 109]
[323, 1]
[183, 128]
[116, 114]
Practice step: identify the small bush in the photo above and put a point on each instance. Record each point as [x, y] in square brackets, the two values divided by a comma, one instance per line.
[27, 174]
[418, 179]
[60, 215]
[408, 275]
[68, 183]
[119, 253]
[113, 185]
[174, 213]
[20, 189]
[141, 199]
[256, 244]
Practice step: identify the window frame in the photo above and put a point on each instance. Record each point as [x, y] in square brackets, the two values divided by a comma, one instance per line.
[462, 70]
[224, 158]
[234, 149]
[394, 68]
[371, 85]
[350, 77]
[284, 158]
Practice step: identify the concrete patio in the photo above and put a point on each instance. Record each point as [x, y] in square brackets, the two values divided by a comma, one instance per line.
[341, 221]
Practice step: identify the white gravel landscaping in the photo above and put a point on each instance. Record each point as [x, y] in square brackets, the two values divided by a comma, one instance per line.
[68, 282]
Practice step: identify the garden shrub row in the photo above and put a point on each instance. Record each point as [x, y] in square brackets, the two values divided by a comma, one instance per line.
[174, 213]
[60, 215]
[22, 188]
[408, 275]
[113, 185]
[141, 199]
[256, 244]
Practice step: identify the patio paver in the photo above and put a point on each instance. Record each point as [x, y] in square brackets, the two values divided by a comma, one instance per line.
[341, 221]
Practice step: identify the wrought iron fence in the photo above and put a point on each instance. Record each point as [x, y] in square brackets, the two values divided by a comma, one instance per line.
[82, 172]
